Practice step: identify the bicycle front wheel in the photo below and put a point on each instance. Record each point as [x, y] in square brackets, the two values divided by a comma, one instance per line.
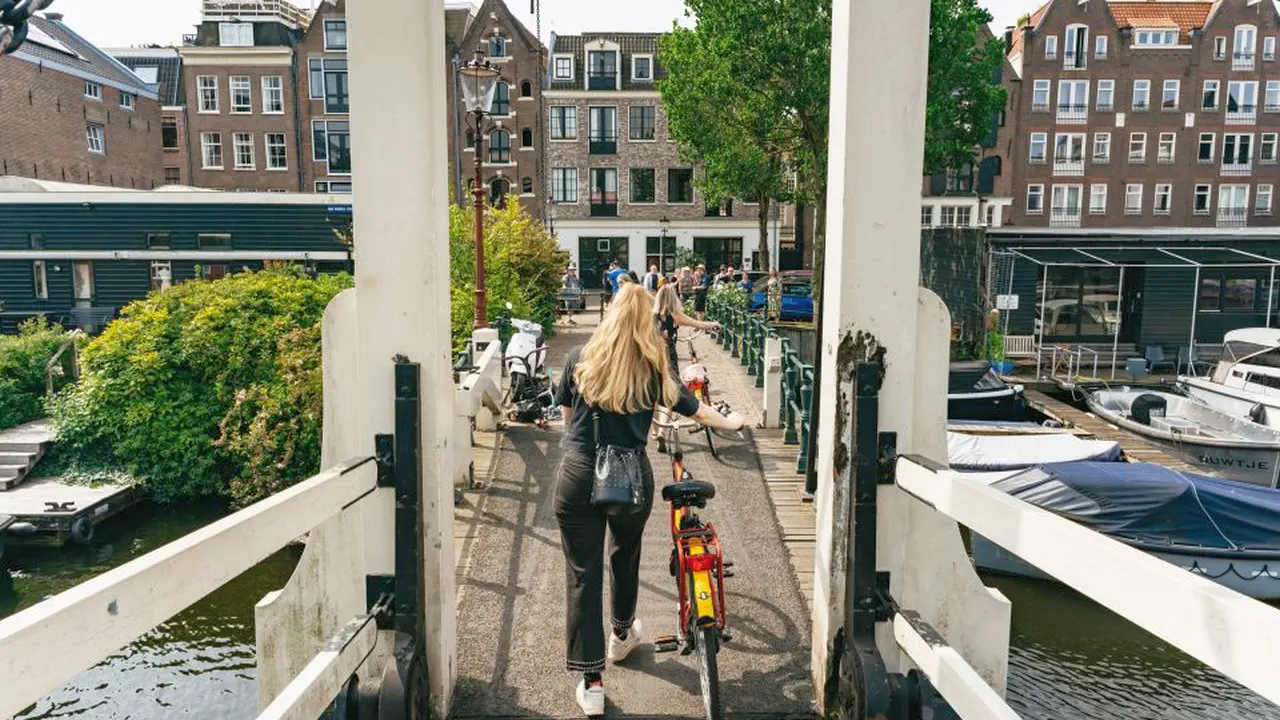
[707, 644]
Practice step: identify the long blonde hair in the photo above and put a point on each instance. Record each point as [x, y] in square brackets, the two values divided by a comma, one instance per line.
[667, 302]
[624, 367]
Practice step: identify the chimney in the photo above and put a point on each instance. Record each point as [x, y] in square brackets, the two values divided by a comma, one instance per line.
[1008, 39]
[56, 17]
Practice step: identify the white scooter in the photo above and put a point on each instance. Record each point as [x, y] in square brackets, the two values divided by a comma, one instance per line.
[525, 358]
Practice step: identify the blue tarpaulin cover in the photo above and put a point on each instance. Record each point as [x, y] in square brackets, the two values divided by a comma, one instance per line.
[1153, 504]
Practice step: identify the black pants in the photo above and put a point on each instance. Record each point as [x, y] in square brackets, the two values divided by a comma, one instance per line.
[582, 528]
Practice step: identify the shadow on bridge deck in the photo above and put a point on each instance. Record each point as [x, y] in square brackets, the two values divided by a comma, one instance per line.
[512, 592]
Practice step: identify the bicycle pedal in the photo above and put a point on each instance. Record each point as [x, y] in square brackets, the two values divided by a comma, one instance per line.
[666, 643]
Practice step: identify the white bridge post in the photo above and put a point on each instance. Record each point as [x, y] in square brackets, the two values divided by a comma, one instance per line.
[872, 299]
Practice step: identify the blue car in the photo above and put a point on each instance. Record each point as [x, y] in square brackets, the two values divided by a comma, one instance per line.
[797, 296]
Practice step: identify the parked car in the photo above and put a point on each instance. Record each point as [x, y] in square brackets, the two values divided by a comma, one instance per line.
[797, 295]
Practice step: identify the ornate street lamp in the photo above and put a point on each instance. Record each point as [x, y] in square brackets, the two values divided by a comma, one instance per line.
[663, 225]
[479, 81]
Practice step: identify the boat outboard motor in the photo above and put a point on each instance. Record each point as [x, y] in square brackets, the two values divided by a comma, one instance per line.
[1147, 406]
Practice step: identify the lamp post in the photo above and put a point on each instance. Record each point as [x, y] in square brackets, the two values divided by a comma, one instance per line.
[663, 224]
[479, 80]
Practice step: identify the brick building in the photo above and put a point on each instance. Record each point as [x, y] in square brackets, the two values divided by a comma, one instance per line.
[613, 172]
[161, 67]
[72, 113]
[1145, 114]
[240, 78]
[325, 100]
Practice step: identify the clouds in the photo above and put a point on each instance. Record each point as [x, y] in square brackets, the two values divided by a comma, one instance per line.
[127, 23]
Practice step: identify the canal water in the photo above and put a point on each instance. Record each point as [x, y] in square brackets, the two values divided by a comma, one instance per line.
[1070, 657]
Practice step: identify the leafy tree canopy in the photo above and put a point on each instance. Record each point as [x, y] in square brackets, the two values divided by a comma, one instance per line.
[964, 92]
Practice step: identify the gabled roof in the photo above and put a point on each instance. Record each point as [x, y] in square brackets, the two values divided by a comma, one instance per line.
[474, 23]
[168, 69]
[629, 44]
[58, 47]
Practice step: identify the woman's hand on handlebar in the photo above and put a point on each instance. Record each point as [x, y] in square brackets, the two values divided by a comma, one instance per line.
[708, 415]
[711, 327]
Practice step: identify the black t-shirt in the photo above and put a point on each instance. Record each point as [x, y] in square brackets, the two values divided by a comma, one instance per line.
[629, 431]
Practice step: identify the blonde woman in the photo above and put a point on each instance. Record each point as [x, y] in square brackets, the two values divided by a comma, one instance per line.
[613, 384]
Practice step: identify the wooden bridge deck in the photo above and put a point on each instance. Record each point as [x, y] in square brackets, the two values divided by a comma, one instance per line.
[1135, 448]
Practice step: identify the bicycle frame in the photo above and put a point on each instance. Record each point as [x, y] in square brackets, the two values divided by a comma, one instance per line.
[699, 561]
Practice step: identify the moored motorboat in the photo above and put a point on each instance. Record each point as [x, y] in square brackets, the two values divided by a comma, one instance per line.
[1232, 447]
[987, 453]
[976, 392]
[1246, 380]
[1225, 531]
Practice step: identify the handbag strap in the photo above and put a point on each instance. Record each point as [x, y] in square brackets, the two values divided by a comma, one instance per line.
[595, 427]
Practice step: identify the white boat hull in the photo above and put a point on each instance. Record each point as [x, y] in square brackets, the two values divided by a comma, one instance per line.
[1236, 402]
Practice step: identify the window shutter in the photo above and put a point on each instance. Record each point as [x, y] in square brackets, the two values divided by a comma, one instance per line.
[987, 172]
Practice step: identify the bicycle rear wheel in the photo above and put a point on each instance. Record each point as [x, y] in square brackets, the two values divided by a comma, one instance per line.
[707, 644]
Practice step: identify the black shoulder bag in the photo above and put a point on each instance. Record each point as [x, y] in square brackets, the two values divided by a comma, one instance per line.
[618, 485]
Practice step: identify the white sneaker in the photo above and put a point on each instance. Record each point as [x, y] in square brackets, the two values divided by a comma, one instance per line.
[620, 649]
[591, 699]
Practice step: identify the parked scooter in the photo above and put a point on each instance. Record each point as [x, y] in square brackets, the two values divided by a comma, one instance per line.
[529, 397]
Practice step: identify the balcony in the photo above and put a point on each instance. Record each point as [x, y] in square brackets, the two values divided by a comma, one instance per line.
[1073, 61]
[1039, 107]
[602, 80]
[1068, 167]
[1073, 114]
[604, 208]
[1242, 61]
[1064, 217]
[1237, 169]
[603, 145]
[1233, 217]
[1242, 115]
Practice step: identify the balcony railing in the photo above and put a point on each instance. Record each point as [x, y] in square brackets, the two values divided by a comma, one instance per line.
[1271, 107]
[1242, 61]
[1073, 113]
[604, 208]
[1068, 167]
[1039, 107]
[1141, 106]
[1233, 217]
[1107, 106]
[1037, 160]
[602, 80]
[1073, 61]
[606, 145]
[1064, 217]
[1242, 115]
[1237, 169]
[1101, 159]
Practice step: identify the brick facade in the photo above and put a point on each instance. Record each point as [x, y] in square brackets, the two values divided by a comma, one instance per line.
[47, 117]
[325, 114]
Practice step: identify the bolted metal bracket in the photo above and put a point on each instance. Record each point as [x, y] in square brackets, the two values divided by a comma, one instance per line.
[384, 448]
[380, 599]
[886, 606]
[887, 455]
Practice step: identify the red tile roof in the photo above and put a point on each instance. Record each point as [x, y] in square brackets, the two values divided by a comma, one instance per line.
[1186, 16]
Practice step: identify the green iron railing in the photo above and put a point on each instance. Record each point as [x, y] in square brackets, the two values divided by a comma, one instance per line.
[743, 335]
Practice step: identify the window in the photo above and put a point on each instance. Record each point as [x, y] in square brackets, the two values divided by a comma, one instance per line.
[497, 47]
[128, 100]
[1076, 50]
[1269, 47]
[564, 122]
[1237, 149]
[526, 89]
[602, 73]
[1141, 95]
[1239, 294]
[956, 216]
[1163, 197]
[272, 95]
[40, 279]
[642, 122]
[92, 90]
[1242, 98]
[172, 176]
[1133, 199]
[157, 241]
[1100, 47]
[564, 185]
[602, 130]
[96, 135]
[1267, 148]
[1165, 151]
[1202, 199]
[526, 137]
[1246, 43]
[161, 275]
[1068, 153]
[469, 139]
[1169, 98]
[235, 34]
[526, 186]
[1206, 147]
[1137, 147]
[1051, 47]
[335, 35]
[1106, 94]
[642, 68]
[241, 94]
[277, 152]
[315, 79]
[1066, 204]
[325, 186]
[213, 271]
[643, 188]
[208, 85]
[1262, 204]
[1073, 100]
[563, 67]
[243, 144]
[1102, 147]
[1154, 38]
[328, 80]
[1233, 202]
[1035, 199]
[1272, 102]
[1040, 96]
[1039, 145]
[604, 186]
[169, 134]
[1220, 48]
[500, 147]
[1098, 199]
[680, 185]
[926, 216]
[213, 241]
[336, 140]
[1210, 296]
[1209, 98]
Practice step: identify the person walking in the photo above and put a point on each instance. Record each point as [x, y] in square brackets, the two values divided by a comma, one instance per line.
[606, 285]
[616, 271]
[685, 282]
[773, 291]
[701, 284]
[608, 392]
[669, 317]
[651, 279]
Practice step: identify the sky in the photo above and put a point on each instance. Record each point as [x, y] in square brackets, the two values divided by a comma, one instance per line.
[126, 23]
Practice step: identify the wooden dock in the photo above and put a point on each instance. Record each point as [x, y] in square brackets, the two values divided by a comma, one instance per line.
[51, 512]
[1135, 448]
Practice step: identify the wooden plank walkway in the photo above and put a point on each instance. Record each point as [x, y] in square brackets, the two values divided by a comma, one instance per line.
[485, 448]
[1135, 448]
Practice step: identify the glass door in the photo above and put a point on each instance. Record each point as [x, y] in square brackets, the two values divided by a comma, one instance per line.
[1081, 304]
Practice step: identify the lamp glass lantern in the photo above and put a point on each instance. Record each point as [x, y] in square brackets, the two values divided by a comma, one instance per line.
[479, 82]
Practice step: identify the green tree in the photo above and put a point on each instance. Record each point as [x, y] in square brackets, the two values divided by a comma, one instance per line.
[964, 93]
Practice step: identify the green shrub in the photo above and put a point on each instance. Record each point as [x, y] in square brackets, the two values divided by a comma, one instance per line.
[23, 358]
[730, 295]
[210, 388]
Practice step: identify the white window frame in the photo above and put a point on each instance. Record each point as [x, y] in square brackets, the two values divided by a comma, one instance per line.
[1051, 47]
[1269, 47]
[1237, 145]
[1101, 140]
[1038, 87]
[1164, 93]
[1068, 140]
[1164, 190]
[1220, 47]
[1251, 50]
[1146, 88]
[1131, 208]
[282, 146]
[568, 185]
[1271, 140]
[324, 28]
[1202, 190]
[1154, 38]
[1263, 190]
[1098, 199]
[1069, 52]
[1170, 140]
[1137, 140]
[1100, 47]
[1073, 94]
[1213, 148]
[1064, 193]
[634, 78]
[128, 100]
[232, 34]
[93, 90]
[1107, 87]
[162, 271]
[1242, 114]
[237, 145]
[40, 278]
[96, 138]
[1043, 140]
[551, 119]
[1035, 190]
[1217, 94]
[1241, 189]
[243, 85]
[555, 66]
[210, 141]
[1271, 97]
[207, 84]
[272, 96]
[926, 215]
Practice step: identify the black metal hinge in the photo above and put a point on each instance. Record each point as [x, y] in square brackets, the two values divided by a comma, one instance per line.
[887, 457]
[384, 448]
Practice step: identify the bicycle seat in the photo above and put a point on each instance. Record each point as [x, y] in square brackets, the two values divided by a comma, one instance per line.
[689, 492]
